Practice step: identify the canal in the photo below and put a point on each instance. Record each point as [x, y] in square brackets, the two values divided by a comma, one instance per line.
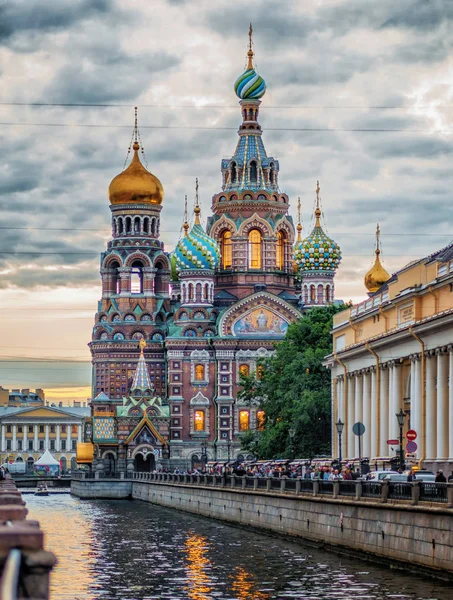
[124, 550]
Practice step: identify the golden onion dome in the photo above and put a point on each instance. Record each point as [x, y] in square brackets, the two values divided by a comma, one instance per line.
[377, 275]
[136, 184]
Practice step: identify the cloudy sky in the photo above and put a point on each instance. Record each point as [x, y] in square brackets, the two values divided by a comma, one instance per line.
[359, 96]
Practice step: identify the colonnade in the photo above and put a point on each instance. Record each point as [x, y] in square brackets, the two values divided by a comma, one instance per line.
[422, 386]
[27, 436]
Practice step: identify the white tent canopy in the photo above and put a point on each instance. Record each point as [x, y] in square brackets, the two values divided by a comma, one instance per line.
[47, 460]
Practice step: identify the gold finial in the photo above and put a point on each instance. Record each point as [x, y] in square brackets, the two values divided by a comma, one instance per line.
[142, 345]
[250, 52]
[318, 210]
[377, 275]
[299, 221]
[186, 218]
[197, 209]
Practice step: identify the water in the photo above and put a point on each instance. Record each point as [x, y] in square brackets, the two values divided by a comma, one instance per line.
[123, 550]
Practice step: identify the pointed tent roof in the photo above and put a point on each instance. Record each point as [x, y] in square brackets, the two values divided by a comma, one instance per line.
[141, 377]
[143, 423]
[47, 459]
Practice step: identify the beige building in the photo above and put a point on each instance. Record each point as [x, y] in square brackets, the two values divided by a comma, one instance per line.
[27, 431]
[394, 351]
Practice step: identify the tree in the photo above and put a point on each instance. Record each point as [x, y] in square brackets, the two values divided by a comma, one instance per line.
[293, 389]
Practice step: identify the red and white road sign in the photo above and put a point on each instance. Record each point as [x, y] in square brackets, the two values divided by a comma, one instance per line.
[411, 435]
[392, 442]
[411, 447]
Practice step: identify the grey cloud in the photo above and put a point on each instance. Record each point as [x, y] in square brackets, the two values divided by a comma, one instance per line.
[421, 16]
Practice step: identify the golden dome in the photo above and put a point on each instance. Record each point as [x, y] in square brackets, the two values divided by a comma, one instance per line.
[136, 184]
[377, 275]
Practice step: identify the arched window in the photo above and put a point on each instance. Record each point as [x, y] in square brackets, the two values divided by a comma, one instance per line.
[320, 294]
[199, 372]
[128, 225]
[244, 370]
[206, 292]
[226, 248]
[160, 283]
[198, 293]
[234, 173]
[255, 249]
[116, 282]
[146, 225]
[244, 420]
[137, 277]
[137, 225]
[120, 226]
[199, 420]
[328, 298]
[260, 420]
[253, 171]
[312, 294]
[280, 250]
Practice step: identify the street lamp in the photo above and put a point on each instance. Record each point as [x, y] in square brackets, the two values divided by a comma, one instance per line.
[401, 419]
[339, 425]
[292, 433]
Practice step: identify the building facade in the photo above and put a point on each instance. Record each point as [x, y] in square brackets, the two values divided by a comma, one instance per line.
[174, 331]
[394, 352]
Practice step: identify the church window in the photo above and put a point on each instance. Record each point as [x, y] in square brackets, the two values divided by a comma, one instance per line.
[312, 293]
[244, 420]
[280, 250]
[233, 173]
[260, 420]
[146, 225]
[137, 225]
[244, 370]
[253, 171]
[226, 250]
[199, 372]
[116, 282]
[199, 420]
[255, 249]
[205, 291]
[320, 294]
[137, 277]
[128, 225]
[198, 293]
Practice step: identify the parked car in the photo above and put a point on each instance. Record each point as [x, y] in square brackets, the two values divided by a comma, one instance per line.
[386, 475]
[424, 475]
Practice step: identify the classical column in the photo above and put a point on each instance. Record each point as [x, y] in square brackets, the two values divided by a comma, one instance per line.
[450, 403]
[79, 433]
[384, 413]
[35, 442]
[125, 280]
[14, 444]
[46, 443]
[25, 442]
[148, 280]
[68, 438]
[358, 410]
[366, 439]
[351, 418]
[395, 400]
[3, 449]
[57, 440]
[431, 407]
[416, 401]
[373, 431]
[442, 406]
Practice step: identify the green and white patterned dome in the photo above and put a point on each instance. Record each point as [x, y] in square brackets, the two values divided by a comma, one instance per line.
[317, 252]
[196, 250]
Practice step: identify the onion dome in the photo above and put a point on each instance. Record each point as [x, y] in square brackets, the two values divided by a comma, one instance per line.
[250, 85]
[317, 252]
[136, 184]
[196, 249]
[377, 275]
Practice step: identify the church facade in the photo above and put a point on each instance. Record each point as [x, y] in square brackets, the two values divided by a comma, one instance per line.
[174, 331]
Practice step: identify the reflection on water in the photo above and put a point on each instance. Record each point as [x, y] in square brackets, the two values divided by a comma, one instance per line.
[122, 550]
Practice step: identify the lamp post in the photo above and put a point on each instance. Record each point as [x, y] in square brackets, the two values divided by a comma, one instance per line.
[292, 433]
[339, 425]
[401, 419]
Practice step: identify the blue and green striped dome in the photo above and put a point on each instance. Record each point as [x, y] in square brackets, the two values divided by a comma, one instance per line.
[317, 252]
[250, 86]
[196, 250]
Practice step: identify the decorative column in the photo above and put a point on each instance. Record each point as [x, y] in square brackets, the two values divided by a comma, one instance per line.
[79, 433]
[125, 280]
[351, 417]
[450, 402]
[431, 407]
[57, 440]
[46, 443]
[416, 401]
[14, 444]
[25, 442]
[35, 441]
[366, 446]
[395, 400]
[442, 406]
[3, 449]
[148, 280]
[384, 413]
[374, 450]
[68, 438]
[358, 409]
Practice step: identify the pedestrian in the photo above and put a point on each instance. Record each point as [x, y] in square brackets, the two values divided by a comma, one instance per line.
[440, 477]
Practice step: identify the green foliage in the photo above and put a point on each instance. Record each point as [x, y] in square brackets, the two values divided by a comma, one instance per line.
[294, 391]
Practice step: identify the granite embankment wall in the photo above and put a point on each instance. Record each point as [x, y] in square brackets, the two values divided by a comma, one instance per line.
[418, 536]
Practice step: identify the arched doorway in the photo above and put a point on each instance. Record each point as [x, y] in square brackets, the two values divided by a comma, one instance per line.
[30, 464]
[63, 464]
[109, 462]
[73, 463]
[144, 465]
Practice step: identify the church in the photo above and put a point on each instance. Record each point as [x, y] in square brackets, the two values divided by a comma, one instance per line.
[175, 330]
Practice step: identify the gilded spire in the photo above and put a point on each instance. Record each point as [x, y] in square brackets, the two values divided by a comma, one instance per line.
[377, 275]
[250, 52]
[318, 210]
[186, 217]
[299, 222]
[197, 209]
[142, 345]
